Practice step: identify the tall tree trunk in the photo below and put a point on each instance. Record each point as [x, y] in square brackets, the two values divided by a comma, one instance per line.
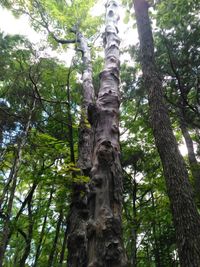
[183, 103]
[85, 130]
[29, 235]
[42, 233]
[70, 122]
[26, 200]
[64, 244]
[55, 241]
[134, 222]
[185, 215]
[13, 173]
[156, 249]
[77, 239]
[13, 179]
[194, 164]
[105, 246]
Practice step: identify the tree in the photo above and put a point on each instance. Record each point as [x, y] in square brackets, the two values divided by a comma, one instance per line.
[112, 179]
[177, 56]
[78, 216]
[178, 186]
[105, 246]
[67, 201]
[30, 170]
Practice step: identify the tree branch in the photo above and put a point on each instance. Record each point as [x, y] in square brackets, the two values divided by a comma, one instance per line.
[46, 26]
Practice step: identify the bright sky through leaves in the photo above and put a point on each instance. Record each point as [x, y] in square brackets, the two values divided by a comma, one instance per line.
[11, 25]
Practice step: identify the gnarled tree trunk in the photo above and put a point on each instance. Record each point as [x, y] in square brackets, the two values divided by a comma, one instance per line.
[105, 248]
[185, 215]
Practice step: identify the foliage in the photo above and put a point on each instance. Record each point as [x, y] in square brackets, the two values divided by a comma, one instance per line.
[45, 92]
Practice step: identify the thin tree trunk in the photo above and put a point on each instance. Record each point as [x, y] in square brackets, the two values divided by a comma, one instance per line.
[29, 235]
[62, 254]
[194, 165]
[185, 215]
[156, 248]
[13, 179]
[38, 250]
[53, 249]
[70, 123]
[135, 223]
[27, 199]
[24, 203]
[12, 174]
[105, 246]
[148, 257]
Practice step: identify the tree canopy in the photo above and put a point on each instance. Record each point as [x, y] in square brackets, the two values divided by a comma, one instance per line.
[47, 116]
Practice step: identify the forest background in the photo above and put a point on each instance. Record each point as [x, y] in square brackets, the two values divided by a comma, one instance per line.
[40, 111]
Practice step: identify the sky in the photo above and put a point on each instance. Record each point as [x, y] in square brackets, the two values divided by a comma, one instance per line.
[11, 25]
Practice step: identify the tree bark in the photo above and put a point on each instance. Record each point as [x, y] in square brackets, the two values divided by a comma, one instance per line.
[135, 224]
[156, 246]
[64, 244]
[194, 165]
[38, 250]
[55, 241]
[105, 247]
[85, 130]
[183, 103]
[70, 122]
[29, 234]
[185, 215]
[77, 239]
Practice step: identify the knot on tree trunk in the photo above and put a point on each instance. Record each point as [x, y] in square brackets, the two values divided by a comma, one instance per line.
[112, 72]
[93, 113]
[76, 240]
[105, 153]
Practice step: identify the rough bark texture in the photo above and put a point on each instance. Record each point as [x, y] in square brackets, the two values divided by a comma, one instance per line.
[70, 122]
[77, 239]
[105, 246]
[185, 216]
[85, 130]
